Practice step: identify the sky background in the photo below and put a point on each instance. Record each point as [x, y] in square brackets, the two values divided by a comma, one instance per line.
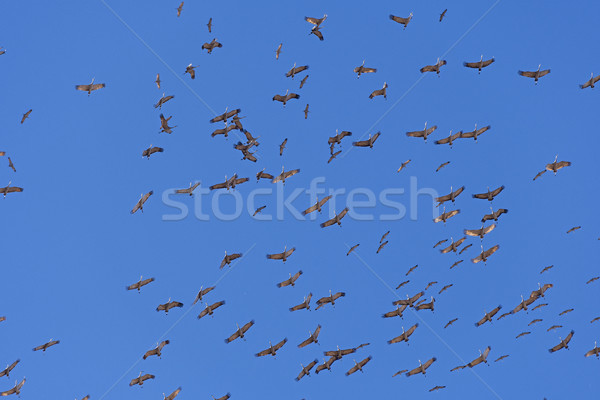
[70, 246]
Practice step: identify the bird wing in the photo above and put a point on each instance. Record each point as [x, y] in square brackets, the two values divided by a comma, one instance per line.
[488, 62]
[287, 282]
[276, 256]
[352, 370]
[83, 88]
[231, 338]
[247, 326]
[471, 64]
[497, 191]
[329, 222]
[528, 74]
[544, 72]
[280, 344]
[556, 348]
[413, 371]
[306, 342]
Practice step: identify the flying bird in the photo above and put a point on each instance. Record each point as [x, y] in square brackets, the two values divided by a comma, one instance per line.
[317, 32]
[278, 51]
[179, 9]
[15, 390]
[594, 320]
[422, 368]
[209, 310]
[539, 174]
[306, 112]
[335, 220]
[445, 288]
[453, 246]
[318, 206]
[553, 327]
[303, 81]
[536, 75]
[140, 379]
[410, 301]
[494, 215]
[539, 306]
[426, 306]
[172, 395]
[209, 47]
[47, 345]
[304, 305]
[465, 248]
[8, 369]
[592, 280]
[459, 261]
[522, 334]
[240, 332]
[403, 165]
[283, 256]
[523, 305]
[450, 139]
[258, 210]
[402, 21]
[157, 81]
[395, 313]
[202, 293]
[226, 397]
[291, 281]
[440, 243]
[140, 204]
[361, 69]
[164, 124]
[573, 229]
[450, 322]
[481, 359]
[443, 14]
[229, 258]
[411, 269]
[139, 284]
[91, 87]
[433, 389]
[316, 21]
[479, 65]
[337, 139]
[312, 338]
[284, 175]
[26, 115]
[326, 365]
[295, 70]
[423, 133]
[594, 352]
[451, 196]
[334, 156]
[442, 165]
[230, 183]
[405, 335]
[591, 82]
[380, 92]
[555, 166]
[11, 165]
[209, 25]
[446, 215]
[352, 249]
[225, 132]
[157, 351]
[501, 358]
[191, 69]
[475, 133]
[485, 254]
[162, 100]
[489, 195]
[566, 312]
[564, 343]
[488, 316]
[282, 146]
[151, 150]
[358, 366]
[226, 115]
[368, 142]
[306, 369]
[263, 175]
[400, 372]
[190, 190]
[286, 97]
[168, 306]
[339, 353]
[329, 299]
[535, 321]
[480, 233]
[434, 68]
[272, 350]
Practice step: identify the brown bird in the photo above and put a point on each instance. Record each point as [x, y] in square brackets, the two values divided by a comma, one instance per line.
[295, 70]
[306, 370]
[411, 269]
[564, 343]
[384, 236]
[191, 69]
[475, 133]
[555, 166]
[304, 305]
[168, 306]
[140, 204]
[189, 190]
[306, 112]
[91, 87]
[226, 397]
[566, 311]
[488, 316]
[303, 81]
[433, 389]
[286, 97]
[479, 64]
[339, 353]
[312, 338]
[481, 359]
[282, 146]
[535, 321]
[2, 51]
[594, 352]
[334, 156]
[11, 165]
[539, 174]
[226, 115]
[573, 229]
[172, 395]
[450, 322]
[240, 332]
[426, 306]
[140, 379]
[591, 82]
[162, 100]
[453, 246]
[457, 262]
[223, 131]
[494, 215]
[501, 358]
[503, 315]
[485, 254]
[179, 9]
[283, 256]
[361, 69]
[399, 372]
[151, 150]
[317, 32]
[443, 14]
[157, 81]
[381, 246]
[540, 292]
[402, 284]
[553, 327]
[489, 196]
[380, 92]
[465, 248]
[352, 249]
[230, 183]
[445, 288]
[451, 196]
[139, 284]
[164, 124]
[337, 139]
[523, 305]
[594, 320]
[209, 25]
[329, 299]
[291, 281]
[410, 301]
[405, 335]
[592, 280]
[439, 243]
[229, 258]
[450, 139]
[400, 20]
[209, 47]
[202, 293]
[445, 216]
[423, 133]
[326, 365]
[278, 51]
[480, 232]
[403, 165]
[8, 369]
[358, 366]
[26, 115]
[15, 390]
[536, 75]
[442, 165]
[263, 175]
[396, 313]
[258, 210]
[209, 310]
[368, 142]
[317, 206]
[45, 346]
[272, 350]
[335, 220]
[434, 68]
[539, 306]
[157, 351]
[316, 21]
[284, 175]
[422, 368]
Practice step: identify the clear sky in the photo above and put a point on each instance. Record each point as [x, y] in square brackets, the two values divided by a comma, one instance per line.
[70, 245]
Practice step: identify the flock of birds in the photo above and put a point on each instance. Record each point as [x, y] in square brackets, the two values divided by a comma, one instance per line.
[419, 301]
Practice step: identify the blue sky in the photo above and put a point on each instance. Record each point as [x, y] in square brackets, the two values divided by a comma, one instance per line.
[70, 245]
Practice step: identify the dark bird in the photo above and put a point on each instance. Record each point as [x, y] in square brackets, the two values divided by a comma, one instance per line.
[434, 68]
[523, 305]
[442, 165]
[395, 313]
[361, 69]
[151, 150]
[230, 183]
[450, 322]
[240, 332]
[202, 293]
[489, 196]
[485, 254]
[405, 335]
[480, 232]
[453, 246]
[209, 310]
[445, 216]
[317, 32]
[223, 131]
[422, 368]
[411, 269]
[157, 81]
[312, 338]
[226, 115]
[8, 369]
[283, 256]
[475, 133]
[540, 291]
[535, 321]
[555, 166]
[295, 70]
[286, 97]
[140, 379]
[573, 229]
[272, 350]
[450, 139]
[162, 100]
[423, 133]
[326, 365]
[591, 82]
[45, 346]
[179, 9]
[168, 306]
[337, 139]
[592, 280]
[282, 146]
[189, 190]
[501, 358]
[381, 246]
[440, 243]
[209, 25]
[258, 210]
[539, 174]
[488, 316]
[278, 51]
[26, 115]
[566, 311]
[139, 284]
[402, 21]
[140, 204]
[263, 175]
[445, 288]
[339, 353]
[433, 389]
[291, 281]
[209, 47]
[494, 215]
[352, 249]
[172, 395]
[443, 14]
[335, 220]
[191, 69]
[304, 305]
[164, 124]
[479, 64]
[229, 258]
[459, 261]
[564, 343]
[334, 156]
[539, 306]
[384, 236]
[358, 366]
[594, 352]
[594, 320]
[306, 370]
[306, 112]
[553, 327]
[303, 81]
[15, 390]
[403, 165]
[91, 87]
[157, 351]
[465, 248]
[481, 359]
[410, 301]
[451, 196]
[226, 397]
[2, 51]
[11, 165]
[504, 315]
[317, 206]
[426, 306]
[368, 142]
[380, 92]
[329, 299]
[399, 372]
[284, 175]
[316, 21]
[536, 75]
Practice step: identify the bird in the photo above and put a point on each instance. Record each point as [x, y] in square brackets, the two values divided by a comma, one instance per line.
[151, 150]
[494, 215]
[475, 133]
[540, 292]
[440, 243]
[564, 343]
[405, 335]
[202, 293]
[47, 345]
[426, 306]
[258, 210]
[26, 115]
[229, 258]
[400, 372]
[9, 368]
[485, 254]
[573, 229]
[434, 68]
[594, 320]
[140, 379]
[91, 87]
[179, 9]
[450, 322]
[403, 165]
[535, 321]
[503, 315]
[226, 115]
[423, 133]
[445, 288]
[15, 390]
[480, 232]
[209, 25]
[465, 248]
[326, 365]
[489, 195]
[352, 249]
[522, 334]
[306, 369]
[278, 51]
[481, 359]
[523, 305]
[450, 139]
[2, 51]
[395, 313]
[445, 216]
[380, 92]
[11, 165]
[333, 156]
[381, 246]
[479, 64]
[168, 306]
[191, 69]
[488, 316]
[591, 82]
[306, 112]
[295, 70]
[230, 183]
[594, 352]
[433, 389]
[337, 139]
[566, 311]
[139, 284]
[384, 236]
[555, 166]
[209, 310]
[164, 124]
[539, 306]
[157, 351]
[592, 280]
[457, 262]
[450, 196]
[539, 174]
[443, 14]
[272, 350]
[286, 97]
[283, 256]
[317, 32]
[430, 284]
[316, 21]
[337, 219]
[536, 75]
[442, 165]
[339, 353]
[188, 191]
[172, 395]
[410, 301]
[553, 327]
[282, 146]
[263, 175]
[329, 299]
[453, 246]
[291, 281]
[312, 338]
[358, 366]
[318, 206]
[157, 81]
[240, 332]
[304, 305]
[361, 69]
[284, 175]
[501, 358]
[422, 368]
[400, 20]
[411, 269]
[368, 142]
[303, 81]
[209, 47]
[140, 204]
[226, 397]
[163, 99]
